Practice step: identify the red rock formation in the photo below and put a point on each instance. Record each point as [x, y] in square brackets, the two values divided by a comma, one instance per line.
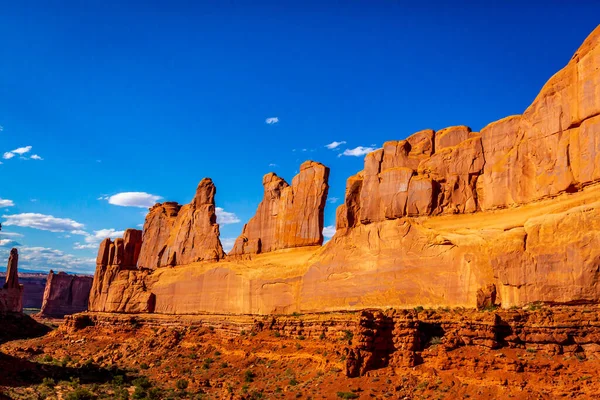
[175, 235]
[12, 274]
[11, 293]
[288, 216]
[118, 285]
[437, 219]
[65, 294]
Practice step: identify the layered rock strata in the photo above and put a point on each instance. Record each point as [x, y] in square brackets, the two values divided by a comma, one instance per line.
[288, 216]
[118, 285]
[506, 216]
[11, 293]
[65, 294]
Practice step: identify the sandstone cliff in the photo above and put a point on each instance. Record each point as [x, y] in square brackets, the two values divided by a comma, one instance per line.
[509, 215]
[118, 285]
[65, 294]
[11, 293]
[175, 235]
[288, 216]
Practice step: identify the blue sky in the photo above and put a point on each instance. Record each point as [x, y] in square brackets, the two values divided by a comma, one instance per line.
[153, 96]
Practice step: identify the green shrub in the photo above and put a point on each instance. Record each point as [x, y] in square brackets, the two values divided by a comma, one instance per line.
[435, 340]
[144, 366]
[348, 335]
[419, 308]
[80, 394]
[347, 395]
[182, 384]
[48, 382]
[293, 382]
[249, 376]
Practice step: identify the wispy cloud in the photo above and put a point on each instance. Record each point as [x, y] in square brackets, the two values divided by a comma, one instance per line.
[333, 200]
[132, 199]
[11, 234]
[45, 258]
[21, 151]
[272, 165]
[272, 120]
[357, 151]
[6, 203]
[44, 222]
[227, 244]
[335, 145]
[224, 217]
[328, 231]
[92, 240]
[9, 243]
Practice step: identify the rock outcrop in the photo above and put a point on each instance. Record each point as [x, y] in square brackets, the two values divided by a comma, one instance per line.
[506, 216]
[11, 293]
[288, 216]
[118, 284]
[176, 235]
[65, 294]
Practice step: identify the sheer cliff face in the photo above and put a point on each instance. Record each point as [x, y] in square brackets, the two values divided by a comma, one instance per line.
[11, 292]
[175, 235]
[118, 285]
[65, 294]
[288, 216]
[508, 215]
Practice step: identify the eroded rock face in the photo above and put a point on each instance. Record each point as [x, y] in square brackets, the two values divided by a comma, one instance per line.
[11, 293]
[437, 219]
[288, 216]
[65, 294]
[176, 235]
[118, 285]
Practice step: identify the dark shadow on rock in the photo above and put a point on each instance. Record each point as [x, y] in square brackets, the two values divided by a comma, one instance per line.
[20, 326]
[21, 372]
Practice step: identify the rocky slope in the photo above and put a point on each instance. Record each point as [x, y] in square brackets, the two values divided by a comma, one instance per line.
[65, 294]
[11, 293]
[509, 216]
[543, 352]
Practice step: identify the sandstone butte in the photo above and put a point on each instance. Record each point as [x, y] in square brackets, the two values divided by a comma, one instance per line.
[11, 293]
[507, 216]
[65, 294]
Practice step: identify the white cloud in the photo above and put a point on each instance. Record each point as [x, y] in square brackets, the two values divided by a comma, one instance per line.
[335, 144]
[227, 244]
[8, 243]
[22, 150]
[357, 151]
[329, 231]
[133, 199]
[333, 200]
[88, 246]
[272, 165]
[272, 120]
[11, 234]
[224, 217]
[1, 128]
[43, 259]
[44, 222]
[6, 203]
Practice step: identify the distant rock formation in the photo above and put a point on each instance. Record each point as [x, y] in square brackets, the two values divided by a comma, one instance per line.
[11, 294]
[288, 216]
[506, 216]
[65, 294]
[175, 235]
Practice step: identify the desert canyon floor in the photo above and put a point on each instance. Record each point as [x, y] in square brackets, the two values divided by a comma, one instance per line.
[459, 353]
